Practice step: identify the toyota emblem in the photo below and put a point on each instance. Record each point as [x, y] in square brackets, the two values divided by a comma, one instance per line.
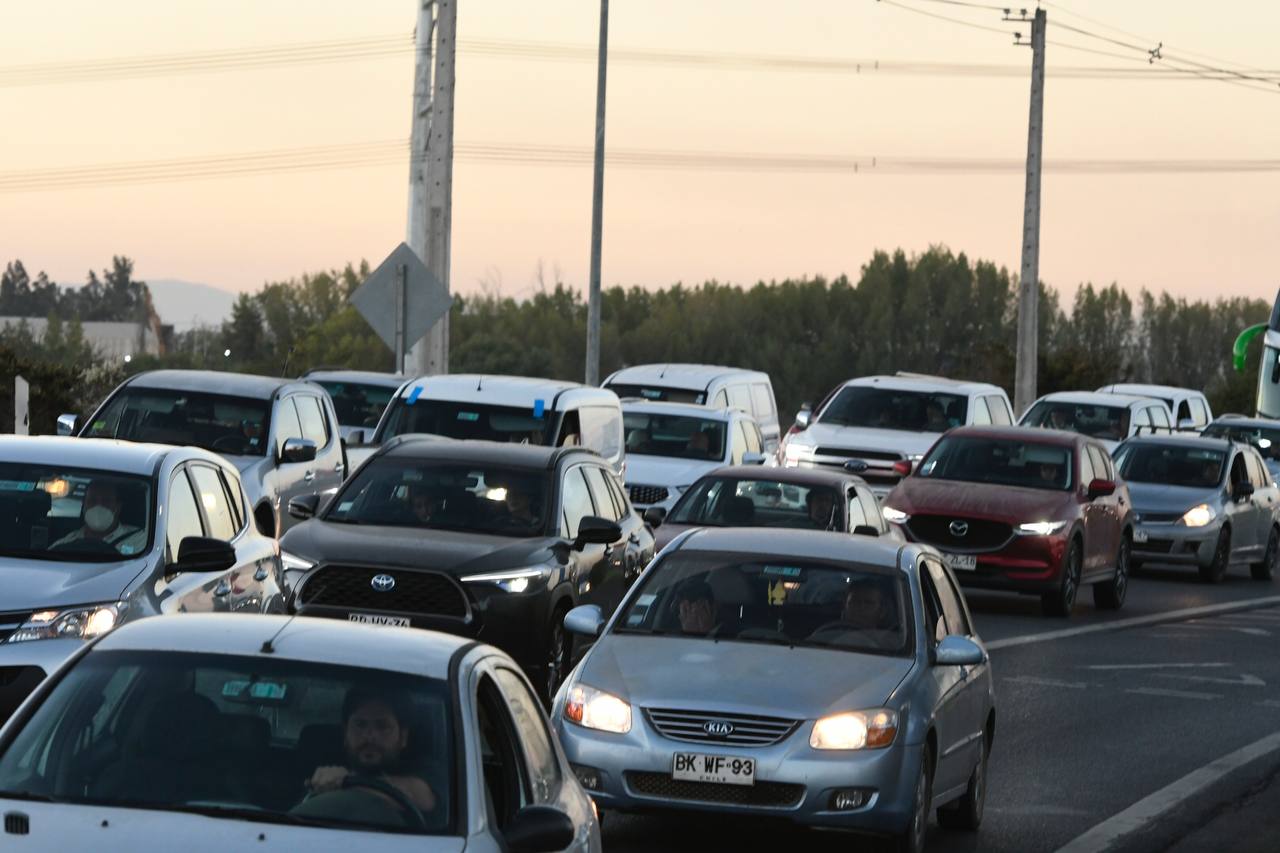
[959, 529]
[383, 583]
[718, 728]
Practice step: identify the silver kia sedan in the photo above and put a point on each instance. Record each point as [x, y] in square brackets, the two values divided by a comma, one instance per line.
[833, 680]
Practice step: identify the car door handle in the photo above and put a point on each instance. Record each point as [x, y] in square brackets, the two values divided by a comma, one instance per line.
[223, 588]
[261, 573]
[309, 476]
[634, 539]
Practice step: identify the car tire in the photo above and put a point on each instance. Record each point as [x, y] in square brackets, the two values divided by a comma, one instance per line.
[1266, 570]
[913, 836]
[1109, 595]
[1060, 602]
[1217, 569]
[966, 812]
[559, 654]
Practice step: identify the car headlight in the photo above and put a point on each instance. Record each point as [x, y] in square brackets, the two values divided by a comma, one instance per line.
[1199, 516]
[795, 451]
[874, 729]
[595, 709]
[81, 623]
[513, 580]
[1040, 528]
[294, 563]
[894, 516]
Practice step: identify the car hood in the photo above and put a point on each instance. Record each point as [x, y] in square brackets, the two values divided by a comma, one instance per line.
[665, 471]
[666, 532]
[752, 678]
[976, 500]
[1160, 498]
[445, 550]
[46, 584]
[866, 438]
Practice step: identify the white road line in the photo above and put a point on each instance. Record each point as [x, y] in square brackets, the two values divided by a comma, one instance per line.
[1245, 679]
[1157, 666]
[1135, 622]
[1046, 682]
[1172, 694]
[1105, 835]
[1270, 703]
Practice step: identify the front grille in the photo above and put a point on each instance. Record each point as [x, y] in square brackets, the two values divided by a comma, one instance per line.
[1154, 546]
[648, 494]
[10, 622]
[980, 535]
[748, 729]
[857, 454]
[1159, 517]
[778, 795]
[415, 591]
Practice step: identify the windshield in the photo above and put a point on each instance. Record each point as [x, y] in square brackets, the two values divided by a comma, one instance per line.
[732, 502]
[52, 513]
[1003, 461]
[357, 404]
[1172, 465]
[781, 602]
[265, 739]
[1266, 439]
[234, 425]
[674, 436]
[471, 421]
[1109, 423]
[888, 408]
[658, 392]
[399, 492]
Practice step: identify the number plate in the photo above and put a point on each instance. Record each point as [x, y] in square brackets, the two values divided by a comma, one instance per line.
[1140, 536]
[725, 769]
[375, 619]
[961, 562]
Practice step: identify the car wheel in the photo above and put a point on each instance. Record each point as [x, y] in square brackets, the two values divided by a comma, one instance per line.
[966, 812]
[1265, 570]
[1109, 595]
[912, 837]
[1063, 599]
[559, 655]
[1217, 569]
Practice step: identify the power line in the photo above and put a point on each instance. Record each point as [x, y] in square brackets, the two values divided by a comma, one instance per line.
[959, 21]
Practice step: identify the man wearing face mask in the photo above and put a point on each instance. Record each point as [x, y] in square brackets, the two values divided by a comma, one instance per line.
[102, 522]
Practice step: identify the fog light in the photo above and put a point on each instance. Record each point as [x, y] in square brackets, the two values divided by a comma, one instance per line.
[588, 777]
[850, 798]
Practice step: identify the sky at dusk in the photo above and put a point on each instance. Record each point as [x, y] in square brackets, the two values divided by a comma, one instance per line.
[1193, 234]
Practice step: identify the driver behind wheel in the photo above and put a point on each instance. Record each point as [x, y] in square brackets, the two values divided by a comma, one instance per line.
[867, 607]
[100, 514]
[375, 737]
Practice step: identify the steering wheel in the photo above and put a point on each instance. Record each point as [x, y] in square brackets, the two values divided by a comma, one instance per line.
[231, 444]
[86, 546]
[416, 820]
[842, 629]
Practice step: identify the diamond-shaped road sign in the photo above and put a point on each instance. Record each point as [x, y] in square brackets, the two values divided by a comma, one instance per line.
[425, 298]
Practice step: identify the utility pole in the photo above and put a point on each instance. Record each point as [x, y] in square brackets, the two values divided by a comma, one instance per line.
[1024, 385]
[431, 165]
[597, 207]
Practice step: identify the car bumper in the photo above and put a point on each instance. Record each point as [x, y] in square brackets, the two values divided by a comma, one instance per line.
[1024, 564]
[1176, 543]
[24, 665]
[792, 781]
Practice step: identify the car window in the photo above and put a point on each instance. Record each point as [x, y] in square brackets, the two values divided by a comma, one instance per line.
[872, 509]
[506, 775]
[235, 499]
[1184, 411]
[1142, 419]
[740, 397]
[601, 430]
[183, 514]
[981, 414]
[600, 493]
[1257, 471]
[1101, 469]
[315, 427]
[752, 434]
[721, 401]
[287, 424]
[214, 500]
[619, 496]
[737, 444]
[526, 713]
[224, 424]
[935, 626]
[575, 501]
[857, 515]
[999, 409]
[1160, 416]
[763, 401]
[1239, 470]
[952, 610]
[1087, 474]
[1199, 413]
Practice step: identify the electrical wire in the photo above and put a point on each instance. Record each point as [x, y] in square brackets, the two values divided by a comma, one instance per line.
[959, 21]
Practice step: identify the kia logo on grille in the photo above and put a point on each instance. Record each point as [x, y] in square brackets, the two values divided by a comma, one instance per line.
[383, 583]
[718, 728]
[959, 528]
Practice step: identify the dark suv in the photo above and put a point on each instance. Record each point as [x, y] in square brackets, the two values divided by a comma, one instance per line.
[1032, 511]
[491, 540]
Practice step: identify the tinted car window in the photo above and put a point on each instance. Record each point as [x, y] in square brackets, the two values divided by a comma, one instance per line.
[214, 500]
[470, 421]
[182, 514]
[935, 624]
[314, 426]
[600, 493]
[886, 408]
[1002, 461]
[48, 512]
[733, 502]
[952, 610]
[1171, 464]
[575, 499]
[601, 430]
[223, 424]
[659, 392]
[357, 404]
[674, 436]
[1265, 439]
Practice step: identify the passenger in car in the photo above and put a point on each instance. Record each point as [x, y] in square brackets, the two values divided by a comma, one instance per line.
[867, 608]
[822, 505]
[696, 607]
[102, 523]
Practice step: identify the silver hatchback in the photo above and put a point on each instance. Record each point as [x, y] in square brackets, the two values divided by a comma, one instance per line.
[828, 679]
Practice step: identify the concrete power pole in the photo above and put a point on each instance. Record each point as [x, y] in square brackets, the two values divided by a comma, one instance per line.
[431, 165]
[597, 207]
[1024, 385]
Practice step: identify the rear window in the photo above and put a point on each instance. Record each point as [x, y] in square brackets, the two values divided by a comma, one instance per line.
[1109, 423]
[536, 425]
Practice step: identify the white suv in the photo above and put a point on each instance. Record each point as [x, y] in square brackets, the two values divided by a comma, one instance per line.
[671, 445]
[879, 426]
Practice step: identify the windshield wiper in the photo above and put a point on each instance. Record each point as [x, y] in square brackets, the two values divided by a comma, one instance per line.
[245, 813]
[30, 796]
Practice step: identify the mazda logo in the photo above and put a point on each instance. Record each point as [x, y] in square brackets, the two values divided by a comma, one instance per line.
[959, 529]
[718, 728]
[383, 583]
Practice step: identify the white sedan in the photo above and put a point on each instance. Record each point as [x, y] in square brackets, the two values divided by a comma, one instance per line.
[225, 733]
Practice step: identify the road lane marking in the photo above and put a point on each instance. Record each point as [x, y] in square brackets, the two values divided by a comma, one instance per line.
[1157, 665]
[1210, 626]
[1245, 679]
[1046, 682]
[1270, 703]
[1136, 622]
[1105, 835]
[1172, 694]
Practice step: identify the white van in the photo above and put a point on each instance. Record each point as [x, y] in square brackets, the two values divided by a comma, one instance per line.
[517, 409]
[704, 384]
[1187, 406]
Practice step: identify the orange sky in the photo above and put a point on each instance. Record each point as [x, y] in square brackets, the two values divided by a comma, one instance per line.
[1196, 235]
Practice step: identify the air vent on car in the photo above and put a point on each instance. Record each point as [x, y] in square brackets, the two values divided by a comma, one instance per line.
[16, 823]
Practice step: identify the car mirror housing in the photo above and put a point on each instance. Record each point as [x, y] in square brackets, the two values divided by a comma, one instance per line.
[204, 554]
[955, 650]
[298, 450]
[585, 619]
[304, 507]
[356, 438]
[594, 530]
[538, 829]
[1101, 489]
[865, 530]
[1242, 490]
[804, 417]
[67, 424]
[654, 516]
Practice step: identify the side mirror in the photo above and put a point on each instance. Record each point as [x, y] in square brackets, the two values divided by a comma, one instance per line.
[1101, 489]
[654, 516]
[804, 417]
[865, 530]
[593, 530]
[298, 450]
[753, 459]
[67, 424]
[538, 829]
[958, 651]
[304, 507]
[1186, 423]
[202, 554]
[585, 619]
[356, 437]
[1242, 491]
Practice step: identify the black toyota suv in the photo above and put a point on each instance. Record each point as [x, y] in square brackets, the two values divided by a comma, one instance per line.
[491, 540]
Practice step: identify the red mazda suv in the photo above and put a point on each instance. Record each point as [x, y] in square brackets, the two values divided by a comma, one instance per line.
[1027, 510]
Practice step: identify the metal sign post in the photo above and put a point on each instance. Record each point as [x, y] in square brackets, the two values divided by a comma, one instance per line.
[21, 410]
[402, 300]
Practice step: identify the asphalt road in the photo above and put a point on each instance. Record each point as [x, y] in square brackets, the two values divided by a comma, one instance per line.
[1087, 724]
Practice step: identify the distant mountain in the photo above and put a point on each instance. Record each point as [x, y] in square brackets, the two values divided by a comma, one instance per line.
[186, 304]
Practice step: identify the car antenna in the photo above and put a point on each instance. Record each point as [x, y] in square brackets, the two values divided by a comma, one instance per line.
[284, 371]
[479, 382]
[268, 646]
